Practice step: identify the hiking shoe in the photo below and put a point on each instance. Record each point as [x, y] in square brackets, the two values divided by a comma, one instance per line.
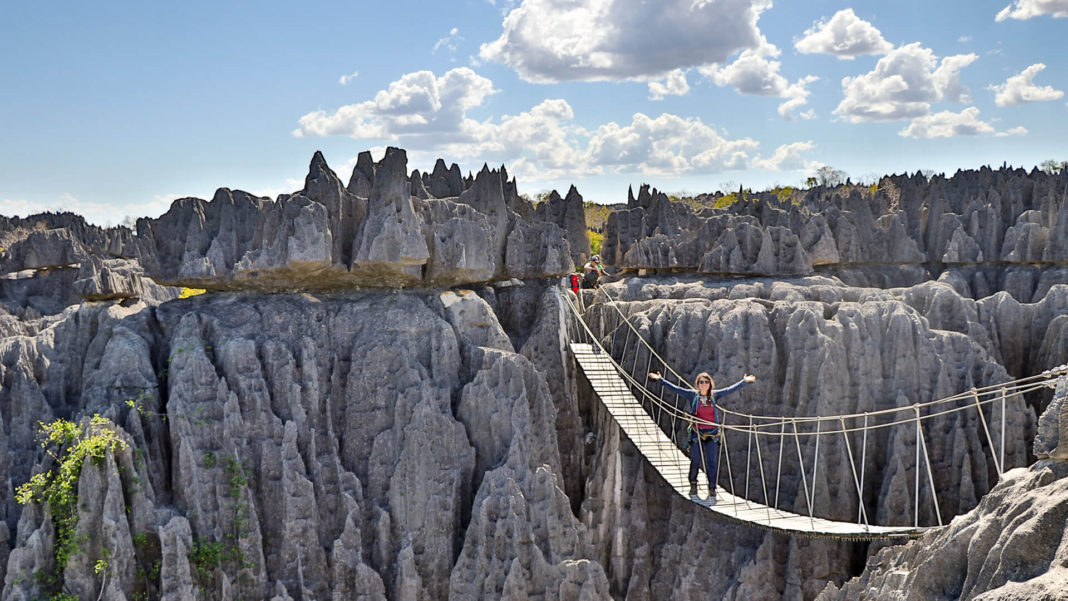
[693, 489]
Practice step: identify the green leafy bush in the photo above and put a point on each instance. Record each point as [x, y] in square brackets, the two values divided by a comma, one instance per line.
[595, 241]
[70, 445]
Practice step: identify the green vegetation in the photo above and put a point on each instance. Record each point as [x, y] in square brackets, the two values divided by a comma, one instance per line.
[207, 555]
[596, 239]
[742, 195]
[149, 563]
[69, 445]
[725, 201]
[1049, 166]
[596, 216]
[686, 199]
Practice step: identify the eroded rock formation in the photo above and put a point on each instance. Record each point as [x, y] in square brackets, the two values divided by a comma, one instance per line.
[900, 232]
[409, 441]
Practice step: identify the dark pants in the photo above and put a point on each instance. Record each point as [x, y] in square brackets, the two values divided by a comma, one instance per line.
[589, 280]
[709, 463]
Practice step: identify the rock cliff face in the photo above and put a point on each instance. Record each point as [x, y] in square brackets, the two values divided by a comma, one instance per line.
[1010, 547]
[903, 231]
[399, 419]
[374, 232]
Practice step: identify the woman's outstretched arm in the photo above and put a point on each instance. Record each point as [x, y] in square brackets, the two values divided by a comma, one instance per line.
[656, 377]
[748, 379]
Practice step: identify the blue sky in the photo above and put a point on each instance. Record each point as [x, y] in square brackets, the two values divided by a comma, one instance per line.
[116, 108]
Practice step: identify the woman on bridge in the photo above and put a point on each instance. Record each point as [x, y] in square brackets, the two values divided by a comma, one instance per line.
[703, 429]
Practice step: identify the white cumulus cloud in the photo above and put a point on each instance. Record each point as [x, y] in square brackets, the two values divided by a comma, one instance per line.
[104, 214]
[416, 105]
[947, 124]
[903, 85]
[788, 157]
[845, 35]
[345, 79]
[1027, 9]
[754, 73]
[1021, 88]
[667, 145]
[1016, 131]
[20, 207]
[674, 84]
[543, 142]
[289, 185]
[571, 40]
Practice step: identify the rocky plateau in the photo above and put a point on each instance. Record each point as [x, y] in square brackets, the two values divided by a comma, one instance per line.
[374, 398]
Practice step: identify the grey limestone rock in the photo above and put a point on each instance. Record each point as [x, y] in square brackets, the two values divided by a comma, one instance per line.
[1000, 550]
[115, 279]
[460, 241]
[824, 350]
[474, 320]
[570, 215]
[1051, 441]
[363, 175]
[418, 190]
[386, 229]
[444, 182]
[390, 243]
[537, 248]
[523, 540]
[176, 575]
[970, 218]
[43, 249]
[433, 444]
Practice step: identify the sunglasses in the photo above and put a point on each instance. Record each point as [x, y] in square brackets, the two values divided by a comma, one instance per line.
[704, 381]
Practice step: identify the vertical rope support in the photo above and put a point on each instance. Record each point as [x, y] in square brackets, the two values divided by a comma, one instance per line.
[645, 387]
[863, 465]
[637, 355]
[801, 462]
[675, 413]
[916, 486]
[626, 342]
[763, 480]
[726, 452]
[927, 460]
[982, 418]
[1004, 418]
[856, 480]
[749, 457]
[815, 463]
[778, 475]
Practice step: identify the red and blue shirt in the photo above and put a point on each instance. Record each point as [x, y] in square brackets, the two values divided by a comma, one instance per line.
[704, 408]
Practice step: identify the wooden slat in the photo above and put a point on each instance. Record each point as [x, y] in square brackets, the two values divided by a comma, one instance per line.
[673, 465]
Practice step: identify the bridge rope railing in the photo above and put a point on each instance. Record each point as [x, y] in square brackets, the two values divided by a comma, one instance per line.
[615, 325]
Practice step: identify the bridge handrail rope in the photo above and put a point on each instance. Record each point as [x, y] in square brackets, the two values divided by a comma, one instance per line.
[1011, 388]
[755, 426]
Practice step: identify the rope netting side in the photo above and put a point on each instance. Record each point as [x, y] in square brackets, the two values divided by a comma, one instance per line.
[634, 358]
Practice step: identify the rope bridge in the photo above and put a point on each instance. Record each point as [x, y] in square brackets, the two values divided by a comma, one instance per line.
[617, 360]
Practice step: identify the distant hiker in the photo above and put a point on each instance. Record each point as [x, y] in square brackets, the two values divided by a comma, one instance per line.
[593, 271]
[572, 281]
[703, 407]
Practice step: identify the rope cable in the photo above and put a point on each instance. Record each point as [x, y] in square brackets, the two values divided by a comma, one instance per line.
[755, 426]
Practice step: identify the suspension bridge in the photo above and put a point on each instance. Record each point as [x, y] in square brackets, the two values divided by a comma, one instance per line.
[616, 361]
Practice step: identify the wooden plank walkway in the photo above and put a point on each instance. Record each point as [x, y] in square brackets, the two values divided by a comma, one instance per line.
[674, 465]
